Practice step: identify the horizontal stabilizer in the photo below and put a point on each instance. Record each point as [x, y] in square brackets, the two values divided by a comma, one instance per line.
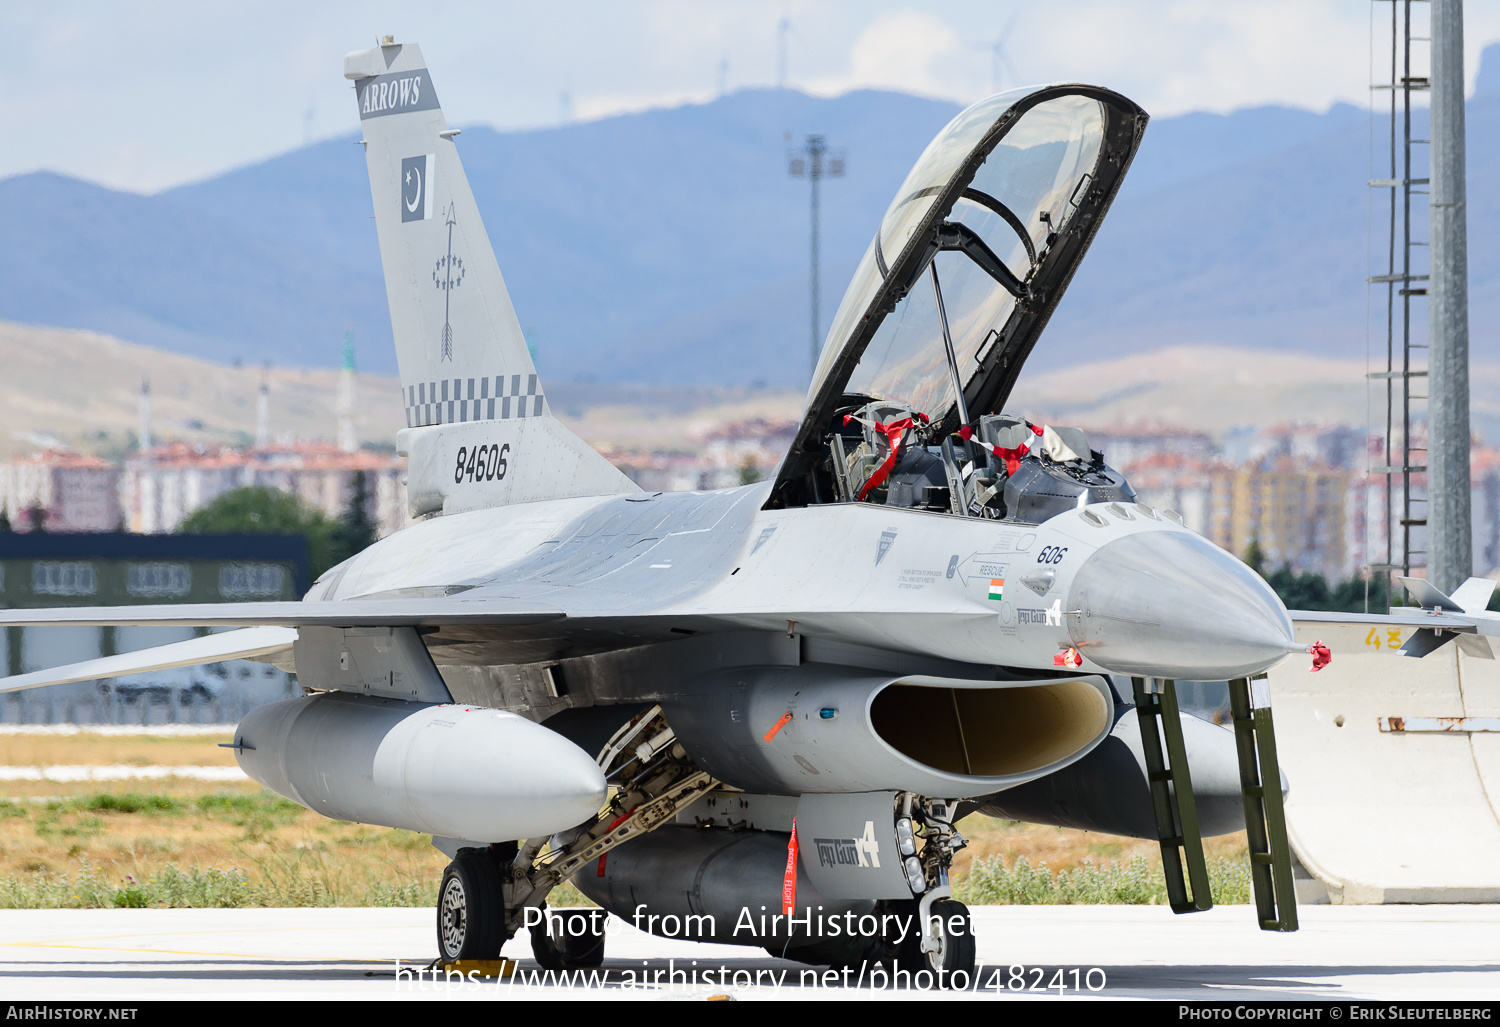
[354, 613]
[1426, 640]
[228, 645]
[1474, 595]
[1430, 596]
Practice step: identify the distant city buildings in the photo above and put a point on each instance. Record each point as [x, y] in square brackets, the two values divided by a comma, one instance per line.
[1298, 490]
[1301, 491]
[161, 487]
[732, 454]
[56, 491]
[152, 492]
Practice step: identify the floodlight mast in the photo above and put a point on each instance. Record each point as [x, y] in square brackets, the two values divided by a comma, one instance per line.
[815, 162]
[1449, 535]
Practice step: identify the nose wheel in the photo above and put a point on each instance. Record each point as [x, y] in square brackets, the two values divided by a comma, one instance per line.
[954, 951]
[471, 908]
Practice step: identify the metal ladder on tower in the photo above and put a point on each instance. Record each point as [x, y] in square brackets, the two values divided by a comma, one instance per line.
[1404, 456]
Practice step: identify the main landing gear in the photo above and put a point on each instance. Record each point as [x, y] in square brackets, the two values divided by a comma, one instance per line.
[487, 892]
[471, 907]
[472, 922]
[569, 941]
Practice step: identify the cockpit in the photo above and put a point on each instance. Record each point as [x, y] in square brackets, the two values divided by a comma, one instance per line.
[966, 267]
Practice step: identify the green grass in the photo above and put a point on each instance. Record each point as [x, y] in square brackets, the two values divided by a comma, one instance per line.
[130, 802]
[310, 877]
[297, 879]
[1134, 881]
[333, 865]
[292, 881]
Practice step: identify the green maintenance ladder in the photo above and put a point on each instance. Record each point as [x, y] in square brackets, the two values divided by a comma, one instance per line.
[1177, 827]
[1265, 815]
[1172, 795]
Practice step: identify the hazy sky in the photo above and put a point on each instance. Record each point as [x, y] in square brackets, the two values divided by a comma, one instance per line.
[145, 95]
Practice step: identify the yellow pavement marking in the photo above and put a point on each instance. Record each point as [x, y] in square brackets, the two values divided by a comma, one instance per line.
[75, 943]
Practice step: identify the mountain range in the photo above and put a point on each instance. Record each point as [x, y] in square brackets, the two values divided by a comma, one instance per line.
[671, 246]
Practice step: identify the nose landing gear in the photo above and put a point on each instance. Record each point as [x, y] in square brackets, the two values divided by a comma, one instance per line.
[952, 951]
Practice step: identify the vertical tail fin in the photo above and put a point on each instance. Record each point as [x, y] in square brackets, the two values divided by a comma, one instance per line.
[472, 397]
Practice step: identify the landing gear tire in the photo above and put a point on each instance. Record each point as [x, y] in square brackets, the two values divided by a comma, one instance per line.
[955, 954]
[471, 908]
[564, 949]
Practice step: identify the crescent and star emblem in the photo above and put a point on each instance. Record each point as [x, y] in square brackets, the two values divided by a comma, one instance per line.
[412, 203]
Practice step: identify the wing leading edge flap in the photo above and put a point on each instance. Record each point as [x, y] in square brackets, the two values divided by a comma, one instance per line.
[228, 645]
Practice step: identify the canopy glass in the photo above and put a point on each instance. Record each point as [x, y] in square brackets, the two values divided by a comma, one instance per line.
[970, 258]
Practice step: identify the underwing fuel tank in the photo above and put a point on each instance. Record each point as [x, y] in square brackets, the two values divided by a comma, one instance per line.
[822, 728]
[452, 770]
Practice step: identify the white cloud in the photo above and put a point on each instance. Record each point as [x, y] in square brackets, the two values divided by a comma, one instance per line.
[145, 94]
[908, 50]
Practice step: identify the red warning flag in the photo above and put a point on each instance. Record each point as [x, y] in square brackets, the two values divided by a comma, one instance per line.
[789, 882]
[783, 722]
[1322, 656]
[1069, 658]
[1011, 457]
[893, 432]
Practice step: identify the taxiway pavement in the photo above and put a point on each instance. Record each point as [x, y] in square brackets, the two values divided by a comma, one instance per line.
[1422, 953]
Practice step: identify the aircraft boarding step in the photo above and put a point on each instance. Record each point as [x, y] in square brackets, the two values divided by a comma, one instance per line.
[1265, 816]
[1176, 813]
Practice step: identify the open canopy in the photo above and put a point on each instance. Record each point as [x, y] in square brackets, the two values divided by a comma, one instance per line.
[969, 262]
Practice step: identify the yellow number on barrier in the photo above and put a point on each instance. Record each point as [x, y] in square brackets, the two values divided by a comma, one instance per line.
[1393, 638]
[1373, 638]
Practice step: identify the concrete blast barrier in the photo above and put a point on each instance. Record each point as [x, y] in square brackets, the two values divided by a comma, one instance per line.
[1380, 816]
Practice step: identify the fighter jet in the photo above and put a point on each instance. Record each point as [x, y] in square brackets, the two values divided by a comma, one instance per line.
[751, 715]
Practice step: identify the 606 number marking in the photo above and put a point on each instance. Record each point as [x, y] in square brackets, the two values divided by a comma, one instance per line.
[482, 463]
[1051, 554]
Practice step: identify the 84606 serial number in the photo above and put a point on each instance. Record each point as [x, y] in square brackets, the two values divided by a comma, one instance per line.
[481, 463]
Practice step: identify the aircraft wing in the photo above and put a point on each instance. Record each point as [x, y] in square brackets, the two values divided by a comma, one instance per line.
[1434, 628]
[353, 613]
[1398, 618]
[228, 645]
[264, 629]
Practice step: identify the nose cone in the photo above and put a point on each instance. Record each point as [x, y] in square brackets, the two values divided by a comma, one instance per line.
[1174, 605]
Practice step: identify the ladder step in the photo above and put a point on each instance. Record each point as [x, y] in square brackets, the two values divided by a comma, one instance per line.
[1263, 858]
[1161, 775]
